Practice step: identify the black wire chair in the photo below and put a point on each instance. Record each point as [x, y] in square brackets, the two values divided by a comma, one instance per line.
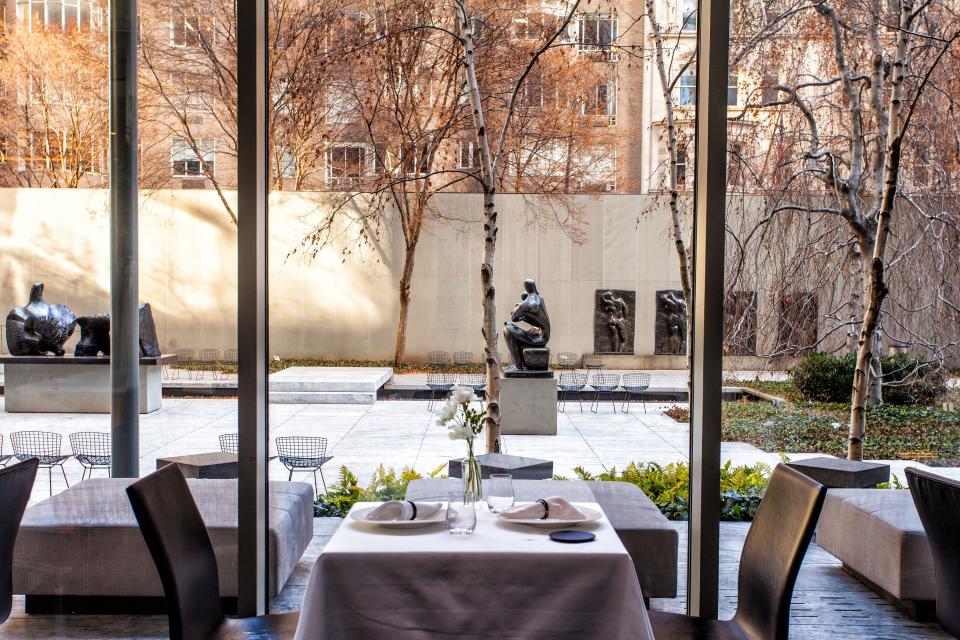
[183, 356]
[231, 356]
[4, 459]
[635, 384]
[304, 453]
[592, 361]
[439, 383]
[438, 359]
[603, 383]
[567, 360]
[93, 451]
[42, 445]
[477, 382]
[462, 358]
[209, 358]
[570, 382]
[229, 443]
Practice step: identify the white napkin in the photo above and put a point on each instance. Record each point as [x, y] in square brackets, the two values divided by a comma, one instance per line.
[559, 509]
[404, 510]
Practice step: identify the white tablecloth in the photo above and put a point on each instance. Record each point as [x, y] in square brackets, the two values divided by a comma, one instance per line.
[505, 581]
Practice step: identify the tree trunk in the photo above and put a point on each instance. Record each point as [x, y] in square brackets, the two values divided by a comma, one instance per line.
[406, 278]
[489, 180]
[877, 289]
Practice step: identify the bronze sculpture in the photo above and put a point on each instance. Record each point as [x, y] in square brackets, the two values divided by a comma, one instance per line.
[38, 328]
[616, 316]
[528, 346]
[671, 328]
[95, 334]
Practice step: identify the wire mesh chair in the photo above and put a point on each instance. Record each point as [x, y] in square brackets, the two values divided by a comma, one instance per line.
[438, 359]
[592, 362]
[229, 443]
[209, 358]
[304, 453]
[570, 382]
[603, 383]
[439, 382]
[184, 356]
[42, 445]
[462, 358]
[477, 382]
[635, 383]
[4, 459]
[92, 450]
[231, 356]
[567, 360]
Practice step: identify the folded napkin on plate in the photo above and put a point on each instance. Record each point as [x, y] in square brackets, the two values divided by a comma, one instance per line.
[404, 510]
[555, 509]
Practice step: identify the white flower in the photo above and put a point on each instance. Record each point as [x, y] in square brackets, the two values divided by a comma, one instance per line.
[448, 412]
[462, 395]
[459, 432]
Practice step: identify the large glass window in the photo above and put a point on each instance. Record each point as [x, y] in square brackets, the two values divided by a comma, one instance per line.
[193, 158]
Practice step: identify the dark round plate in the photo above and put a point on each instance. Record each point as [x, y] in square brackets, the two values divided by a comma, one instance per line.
[572, 536]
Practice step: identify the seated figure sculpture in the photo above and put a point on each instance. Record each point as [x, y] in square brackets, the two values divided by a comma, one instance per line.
[531, 310]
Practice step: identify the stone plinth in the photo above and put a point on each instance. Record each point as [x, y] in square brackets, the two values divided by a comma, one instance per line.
[843, 474]
[73, 384]
[204, 466]
[528, 406]
[517, 466]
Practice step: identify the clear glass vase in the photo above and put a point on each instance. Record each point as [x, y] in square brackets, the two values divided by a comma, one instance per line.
[470, 470]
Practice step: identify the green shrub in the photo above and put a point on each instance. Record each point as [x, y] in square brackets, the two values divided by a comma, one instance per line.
[668, 487]
[386, 484]
[822, 377]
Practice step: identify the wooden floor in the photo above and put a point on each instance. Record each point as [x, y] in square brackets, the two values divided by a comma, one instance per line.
[827, 603]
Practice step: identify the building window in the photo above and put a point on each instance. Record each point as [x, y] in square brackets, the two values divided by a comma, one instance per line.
[602, 101]
[768, 87]
[415, 160]
[469, 154]
[688, 15]
[68, 15]
[681, 169]
[189, 31]
[347, 164]
[532, 90]
[188, 161]
[732, 93]
[687, 89]
[596, 31]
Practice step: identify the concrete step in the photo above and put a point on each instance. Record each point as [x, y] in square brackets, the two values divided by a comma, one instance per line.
[323, 397]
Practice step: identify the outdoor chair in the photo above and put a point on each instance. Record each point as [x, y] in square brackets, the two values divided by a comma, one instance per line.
[16, 483]
[592, 361]
[42, 445]
[304, 453]
[208, 358]
[439, 383]
[769, 564]
[4, 459]
[184, 356]
[567, 360]
[181, 549]
[462, 358]
[602, 384]
[938, 505]
[635, 383]
[231, 356]
[571, 382]
[93, 451]
[438, 359]
[229, 443]
[477, 382]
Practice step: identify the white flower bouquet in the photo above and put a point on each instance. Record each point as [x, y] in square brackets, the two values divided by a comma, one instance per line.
[464, 423]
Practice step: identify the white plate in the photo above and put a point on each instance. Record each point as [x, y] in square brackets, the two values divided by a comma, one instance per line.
[589, 515]
[360, 515]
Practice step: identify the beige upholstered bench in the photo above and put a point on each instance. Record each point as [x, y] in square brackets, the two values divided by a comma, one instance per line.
[82, 551]
[649, 537]
[878, 536]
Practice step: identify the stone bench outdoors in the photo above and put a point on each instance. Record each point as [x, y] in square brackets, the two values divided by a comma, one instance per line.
[82, 551]
[878, 536]
[649, 537]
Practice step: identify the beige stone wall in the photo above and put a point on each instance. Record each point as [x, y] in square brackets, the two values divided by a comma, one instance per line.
[337, 305]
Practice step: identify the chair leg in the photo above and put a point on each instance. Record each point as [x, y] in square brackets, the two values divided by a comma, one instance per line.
[50, 479]
[323, 480]
[290, 477]
[64, 472]
[580, 399]
[644, 404]
[595, 405]
[562, 401]
[316, 489]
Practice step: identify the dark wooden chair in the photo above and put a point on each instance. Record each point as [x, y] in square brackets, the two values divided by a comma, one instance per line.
[178, 541]
[938, 504]
[16, 483]
[769, 564]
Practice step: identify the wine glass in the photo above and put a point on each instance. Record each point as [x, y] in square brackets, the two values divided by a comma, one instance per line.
[461, 514]
[500, 495]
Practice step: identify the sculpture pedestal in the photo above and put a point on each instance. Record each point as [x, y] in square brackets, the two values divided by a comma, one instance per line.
[528, 406]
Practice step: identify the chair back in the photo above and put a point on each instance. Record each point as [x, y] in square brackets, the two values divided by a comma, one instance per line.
[605, 381]
[229, 443]
[301, 449]
[44, 445]
[773, 552]
[91, 447]
[938, 504]
[16, 483]
[185, 355]
[178, 541]
[639, 381]
[570, 381]
[438, 358]
[462, 357]
[567, 360]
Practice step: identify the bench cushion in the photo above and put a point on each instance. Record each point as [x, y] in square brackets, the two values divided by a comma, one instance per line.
[86, 542]
[646, 533]
[878, 534]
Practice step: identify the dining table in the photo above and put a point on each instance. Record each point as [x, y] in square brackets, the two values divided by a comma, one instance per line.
[505, 581]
